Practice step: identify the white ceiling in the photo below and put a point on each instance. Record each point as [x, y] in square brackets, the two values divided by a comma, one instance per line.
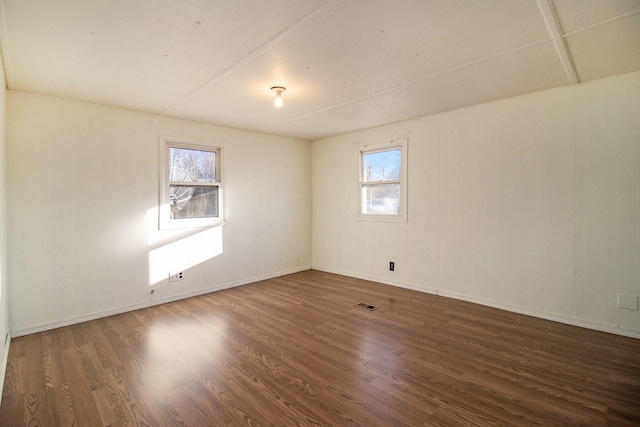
[347, 65]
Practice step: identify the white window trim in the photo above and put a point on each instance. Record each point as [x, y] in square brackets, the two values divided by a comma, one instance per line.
[401, 143]
[164, 217]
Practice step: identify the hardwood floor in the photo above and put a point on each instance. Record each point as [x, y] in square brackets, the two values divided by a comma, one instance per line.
[295, 350]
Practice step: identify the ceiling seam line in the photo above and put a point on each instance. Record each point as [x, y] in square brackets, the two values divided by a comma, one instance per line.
[259, 51]
[551, 19]
[597, 24]
[430, 76]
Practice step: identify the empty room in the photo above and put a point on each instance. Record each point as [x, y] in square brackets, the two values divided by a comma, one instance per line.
[320, 213]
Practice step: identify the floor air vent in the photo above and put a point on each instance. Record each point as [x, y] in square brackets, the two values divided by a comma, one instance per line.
[366, 306]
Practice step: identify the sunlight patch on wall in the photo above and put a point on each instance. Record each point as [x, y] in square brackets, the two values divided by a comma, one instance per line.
[184, 253]
[154, 234]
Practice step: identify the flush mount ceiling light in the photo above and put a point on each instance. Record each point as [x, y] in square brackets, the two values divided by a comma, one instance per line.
[278, 91]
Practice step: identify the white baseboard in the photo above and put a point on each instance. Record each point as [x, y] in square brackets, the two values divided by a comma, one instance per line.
[100, 314]
[515, 309]
[631, 333]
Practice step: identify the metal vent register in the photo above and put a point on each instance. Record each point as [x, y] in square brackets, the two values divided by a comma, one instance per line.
[366, 306]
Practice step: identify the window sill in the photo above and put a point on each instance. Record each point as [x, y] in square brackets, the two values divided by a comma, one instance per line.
[382, 218]
[190, 223]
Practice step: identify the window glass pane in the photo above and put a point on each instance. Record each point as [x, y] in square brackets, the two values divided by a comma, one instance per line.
[193, 202]
[186, 165]
[381, 166]
[381, 199]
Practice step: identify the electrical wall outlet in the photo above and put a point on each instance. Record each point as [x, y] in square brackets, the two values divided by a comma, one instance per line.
[392, 266]
[175, 277]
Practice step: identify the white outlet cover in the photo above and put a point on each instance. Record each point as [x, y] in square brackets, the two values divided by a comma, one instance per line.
[175, 277]
[628, 302]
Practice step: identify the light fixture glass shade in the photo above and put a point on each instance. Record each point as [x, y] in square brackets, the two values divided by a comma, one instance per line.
[278, 91]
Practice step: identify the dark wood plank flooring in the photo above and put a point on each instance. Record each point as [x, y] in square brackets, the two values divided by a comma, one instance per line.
[296, 351]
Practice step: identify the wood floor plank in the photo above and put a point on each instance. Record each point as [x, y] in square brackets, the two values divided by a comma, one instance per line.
[154, 398]
[136, 411]
[256, 405]
[77, 383]
[63, 405]
[12, 411]
[52, 367]
[198, 406]
[14, 379]
[34, 382]
[109, 406]
[296, 351]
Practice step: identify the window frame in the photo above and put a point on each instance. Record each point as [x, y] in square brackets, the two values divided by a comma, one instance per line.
[164, 214]
[402, 145]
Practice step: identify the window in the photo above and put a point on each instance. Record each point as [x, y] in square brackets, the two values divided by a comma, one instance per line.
[191, 184]
[382, 190]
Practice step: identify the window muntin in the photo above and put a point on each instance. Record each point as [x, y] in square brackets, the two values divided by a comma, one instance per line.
[191, 194]
[382, 183]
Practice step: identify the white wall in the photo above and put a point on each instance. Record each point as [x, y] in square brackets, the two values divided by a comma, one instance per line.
[83, 193]
[530, 204]
[4, 282]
